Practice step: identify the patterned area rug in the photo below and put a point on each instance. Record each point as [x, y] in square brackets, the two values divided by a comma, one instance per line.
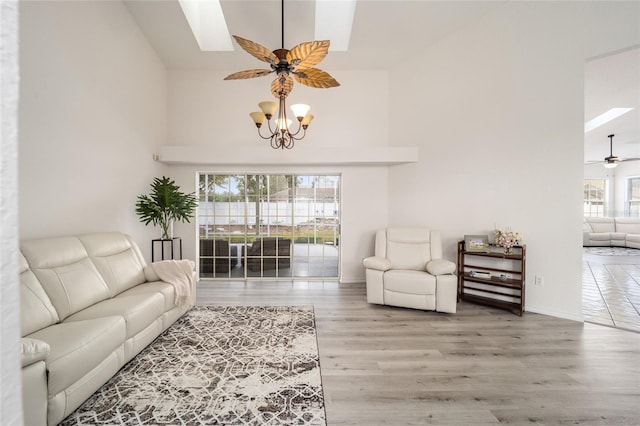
[219, 366]
[612, 251]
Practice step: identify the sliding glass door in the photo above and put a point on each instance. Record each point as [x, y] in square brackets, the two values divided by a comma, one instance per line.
[276, 225]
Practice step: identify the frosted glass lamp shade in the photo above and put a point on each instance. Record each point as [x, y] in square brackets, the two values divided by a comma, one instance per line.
[268, 107]
[610, 165]
[280, 123]
[306, 120]
[300, 110]
[258, 117]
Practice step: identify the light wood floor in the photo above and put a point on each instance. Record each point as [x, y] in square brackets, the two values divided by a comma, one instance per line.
[391, 366]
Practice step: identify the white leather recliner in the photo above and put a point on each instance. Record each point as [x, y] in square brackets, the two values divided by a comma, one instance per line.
[408, 271]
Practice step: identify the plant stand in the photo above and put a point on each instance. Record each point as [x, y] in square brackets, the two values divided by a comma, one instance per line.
[169, 243]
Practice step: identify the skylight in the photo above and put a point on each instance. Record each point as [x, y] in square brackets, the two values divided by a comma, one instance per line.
[334, 19]
[602, 119]
[207, 24]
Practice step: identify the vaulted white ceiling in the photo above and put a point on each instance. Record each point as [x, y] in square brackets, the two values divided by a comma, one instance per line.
[384, 33]
[613, 81]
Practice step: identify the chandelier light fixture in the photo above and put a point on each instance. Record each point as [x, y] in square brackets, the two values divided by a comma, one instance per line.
[297, 62]
[280, 134]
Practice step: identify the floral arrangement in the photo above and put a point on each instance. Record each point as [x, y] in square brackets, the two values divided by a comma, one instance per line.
[507, 238]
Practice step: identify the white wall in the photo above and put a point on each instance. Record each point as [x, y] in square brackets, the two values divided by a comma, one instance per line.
[206, 110]
[92, 110]
[10, 383]
[501, 111]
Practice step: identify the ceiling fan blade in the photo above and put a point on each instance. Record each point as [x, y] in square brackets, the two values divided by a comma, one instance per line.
[281, 85]
[630, 159]
[256, 50]
[307, 54]
[248, 74]
[313, 77]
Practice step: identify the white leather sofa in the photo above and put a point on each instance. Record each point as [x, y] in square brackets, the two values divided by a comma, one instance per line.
[408, 270]
[611, 232]
[89, 304]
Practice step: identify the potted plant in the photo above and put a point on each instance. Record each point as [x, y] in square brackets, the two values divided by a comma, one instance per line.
[165, 204]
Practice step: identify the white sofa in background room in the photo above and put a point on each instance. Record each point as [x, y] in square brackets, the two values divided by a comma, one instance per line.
[611, 232]
[89, 304]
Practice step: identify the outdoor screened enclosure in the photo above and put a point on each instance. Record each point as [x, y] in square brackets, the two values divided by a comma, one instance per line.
[268, 225]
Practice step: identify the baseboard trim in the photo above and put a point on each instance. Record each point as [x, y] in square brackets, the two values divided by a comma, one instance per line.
[351, 280]
[551, 313]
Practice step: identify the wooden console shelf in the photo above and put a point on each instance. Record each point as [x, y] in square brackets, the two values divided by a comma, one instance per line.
[503, 287]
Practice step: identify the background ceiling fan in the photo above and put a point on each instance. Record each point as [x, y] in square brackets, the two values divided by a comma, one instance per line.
[611, 160]
[297, 62]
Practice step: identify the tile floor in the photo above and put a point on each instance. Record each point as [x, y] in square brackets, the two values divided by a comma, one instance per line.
[611, 290]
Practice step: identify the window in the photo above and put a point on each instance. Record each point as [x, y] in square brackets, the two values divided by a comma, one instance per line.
[595, 196]
[276, 225]
[633, 197]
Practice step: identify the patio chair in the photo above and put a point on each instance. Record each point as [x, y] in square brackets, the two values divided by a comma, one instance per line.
[268, 252]
[216, 255]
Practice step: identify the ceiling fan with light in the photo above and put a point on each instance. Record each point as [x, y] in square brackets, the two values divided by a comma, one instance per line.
[298, 62]
[611, 160]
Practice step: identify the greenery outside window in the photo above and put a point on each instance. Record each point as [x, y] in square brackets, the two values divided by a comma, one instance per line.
[275, 225]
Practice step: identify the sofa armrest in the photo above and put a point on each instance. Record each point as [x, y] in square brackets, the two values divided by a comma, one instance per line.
[33, 350]
[378, 263]
[441, 267]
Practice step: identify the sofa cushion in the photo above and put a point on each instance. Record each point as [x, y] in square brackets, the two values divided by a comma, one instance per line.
[633, 241]
[166, 290]
[66, 273]
[628, 225]
[633, 238]
[601, 224]
[117, 259]
[36, 309]
[409, 282]
[138, 311]
[408, 248]
[604, 237]
[77, 347]
[618, 239]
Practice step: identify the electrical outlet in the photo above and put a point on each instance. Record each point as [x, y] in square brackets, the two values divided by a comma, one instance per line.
[539, 281]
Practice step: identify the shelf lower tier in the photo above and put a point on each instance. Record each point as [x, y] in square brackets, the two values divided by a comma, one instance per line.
[496, 303]
[496, 281]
